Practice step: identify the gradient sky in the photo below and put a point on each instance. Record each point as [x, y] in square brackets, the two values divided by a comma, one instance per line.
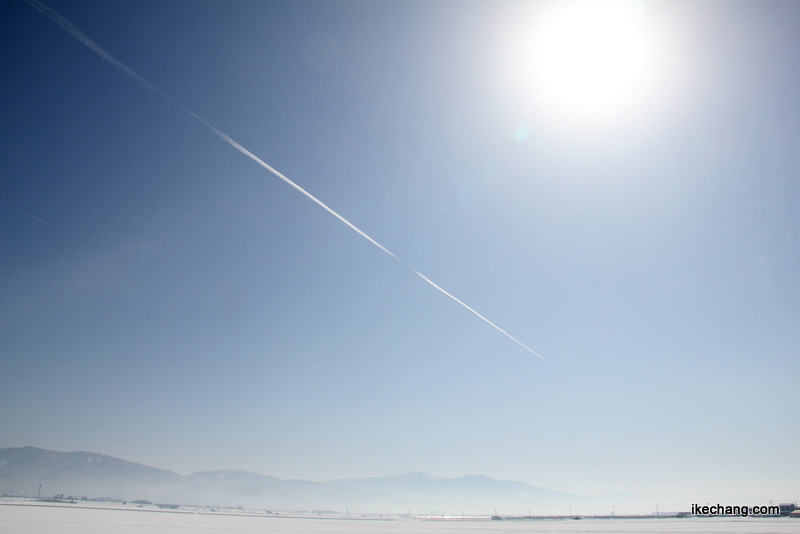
[166, 300]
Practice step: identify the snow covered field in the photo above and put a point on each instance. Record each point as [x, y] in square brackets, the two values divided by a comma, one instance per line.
[28, 518]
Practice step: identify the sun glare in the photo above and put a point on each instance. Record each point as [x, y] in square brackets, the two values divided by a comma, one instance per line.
[590, 57]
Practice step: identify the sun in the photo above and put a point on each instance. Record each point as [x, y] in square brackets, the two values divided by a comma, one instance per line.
[590, 58]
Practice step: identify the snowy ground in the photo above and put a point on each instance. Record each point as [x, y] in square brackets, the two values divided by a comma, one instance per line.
[28, 517]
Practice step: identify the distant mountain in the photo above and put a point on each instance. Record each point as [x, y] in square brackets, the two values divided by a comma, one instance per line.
[98, 475]
[79, 473]
[471, 492]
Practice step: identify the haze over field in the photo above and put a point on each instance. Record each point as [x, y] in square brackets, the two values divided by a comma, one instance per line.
[615, 186]
[32, 472]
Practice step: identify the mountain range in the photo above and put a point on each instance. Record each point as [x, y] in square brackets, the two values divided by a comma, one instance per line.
[78, 474]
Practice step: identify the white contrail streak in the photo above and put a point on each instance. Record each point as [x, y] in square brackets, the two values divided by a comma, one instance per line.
[80, 36]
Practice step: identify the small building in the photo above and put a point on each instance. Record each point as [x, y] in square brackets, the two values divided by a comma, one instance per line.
[786, 508]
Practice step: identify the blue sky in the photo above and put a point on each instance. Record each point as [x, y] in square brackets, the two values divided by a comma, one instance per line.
[166, 300]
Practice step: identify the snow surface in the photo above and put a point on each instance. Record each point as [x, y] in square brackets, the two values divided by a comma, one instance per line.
[38, 518]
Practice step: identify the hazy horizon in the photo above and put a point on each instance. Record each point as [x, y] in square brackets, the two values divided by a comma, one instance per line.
[613, 185]
[666, 499]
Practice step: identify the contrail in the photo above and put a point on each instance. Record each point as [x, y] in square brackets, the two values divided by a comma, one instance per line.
[80, 36]
[35, 218]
